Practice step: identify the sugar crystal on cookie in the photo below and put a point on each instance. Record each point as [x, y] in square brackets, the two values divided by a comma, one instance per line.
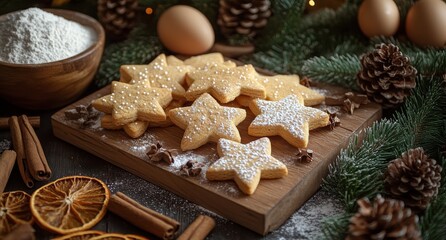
[288, 118]
[246, 163]
[205, 120]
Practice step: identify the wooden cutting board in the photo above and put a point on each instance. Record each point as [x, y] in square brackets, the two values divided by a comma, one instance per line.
[274, 200]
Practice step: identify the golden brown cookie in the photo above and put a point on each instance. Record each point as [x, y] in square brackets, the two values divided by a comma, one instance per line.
[280, 86]
[224, 83]
[288, 118]
[175, 103]
[206, 121]
[134, 129]
[128, 103]
[158, 73]
[246, 164]
[201, 61]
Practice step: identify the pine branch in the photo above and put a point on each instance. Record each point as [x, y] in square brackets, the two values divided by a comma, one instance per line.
[357, 171]
[334, 228]
[282, 24]
[422, 115]
[339, 20]
[139, 48]
[429, 62]
[276, 58]
[338, 69]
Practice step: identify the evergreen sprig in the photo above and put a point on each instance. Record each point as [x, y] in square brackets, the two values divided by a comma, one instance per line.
[338, 69]
[358, 170]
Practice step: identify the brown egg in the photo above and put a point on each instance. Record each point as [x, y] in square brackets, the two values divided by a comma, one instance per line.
[378, 17]
[185, 30]
[426, 23]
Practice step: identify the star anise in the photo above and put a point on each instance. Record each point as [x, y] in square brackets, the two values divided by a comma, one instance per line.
[354, 100]
[349, 100]
[304, 155]
[86, 116]
[192, 168]
[305, 81]
[333, 120]
[158, 153]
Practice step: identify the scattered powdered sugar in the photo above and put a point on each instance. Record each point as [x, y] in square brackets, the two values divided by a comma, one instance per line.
[34, 36]
[306, 223]
[182, 158]
[141, 145]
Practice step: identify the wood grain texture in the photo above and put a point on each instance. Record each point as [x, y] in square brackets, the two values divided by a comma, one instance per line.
[274, 200]
[54, 84]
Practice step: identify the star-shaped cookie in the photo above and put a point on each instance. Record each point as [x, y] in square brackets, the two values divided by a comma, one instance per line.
[201, 61]
[280, 86]
[158, 73]
[288, 118]
[246, 164]
[205, 120]
[224, 83]
[134, 129]
[130, 102]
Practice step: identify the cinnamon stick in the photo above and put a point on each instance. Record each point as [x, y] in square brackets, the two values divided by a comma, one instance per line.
[7, 160]
[35, 157]
[17, 143]
[21, 232]
[143, 217]
[198, 229]
[34, 120]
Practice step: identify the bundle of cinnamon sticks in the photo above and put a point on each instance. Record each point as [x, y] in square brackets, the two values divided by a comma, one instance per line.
[30, 156]
[156, 223]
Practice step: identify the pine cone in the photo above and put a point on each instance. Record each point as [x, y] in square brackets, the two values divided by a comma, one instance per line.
[244, 17]
[383, 219]
[386, 75]
[117, 16]
[414, 178]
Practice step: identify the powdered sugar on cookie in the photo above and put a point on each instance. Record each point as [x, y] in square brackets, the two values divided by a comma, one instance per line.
[288, 118]
[246, 164]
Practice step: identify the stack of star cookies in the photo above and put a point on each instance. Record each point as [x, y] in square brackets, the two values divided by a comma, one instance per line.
[154, 94]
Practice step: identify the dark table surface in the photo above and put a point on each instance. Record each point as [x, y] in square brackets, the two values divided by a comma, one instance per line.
[66, 160]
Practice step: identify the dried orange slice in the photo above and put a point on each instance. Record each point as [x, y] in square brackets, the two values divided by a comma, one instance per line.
[14, 210]
[82, 235]
[135, 237]
[70, 204]
[110, 236]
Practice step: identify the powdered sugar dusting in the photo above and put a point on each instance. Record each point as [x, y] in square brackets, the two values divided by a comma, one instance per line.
[288, 113]
[247, 160]
[229, 82]
[205, 118]
[306, 223]
[141, 146]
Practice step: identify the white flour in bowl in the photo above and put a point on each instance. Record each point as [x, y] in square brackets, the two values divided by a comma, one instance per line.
[34, 36]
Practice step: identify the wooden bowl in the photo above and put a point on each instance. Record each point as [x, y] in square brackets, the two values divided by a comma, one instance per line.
[54, 84]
